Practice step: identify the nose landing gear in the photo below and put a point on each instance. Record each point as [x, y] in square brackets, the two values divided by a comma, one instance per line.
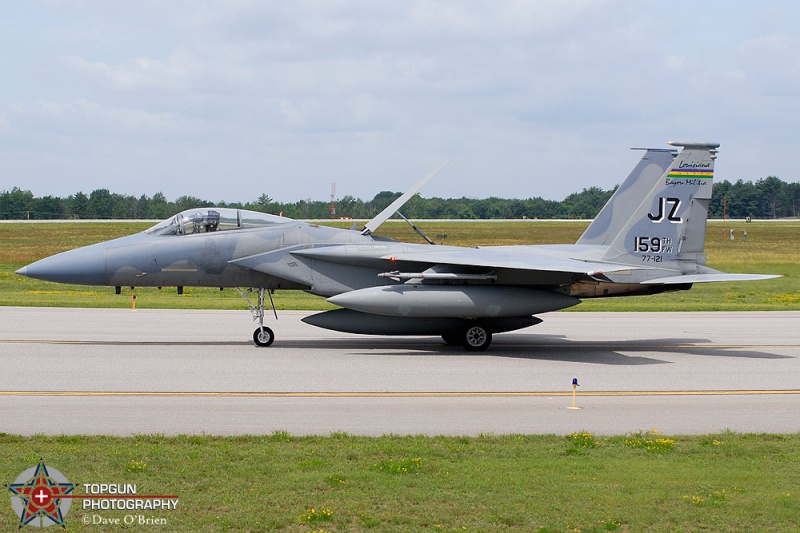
[262, 336]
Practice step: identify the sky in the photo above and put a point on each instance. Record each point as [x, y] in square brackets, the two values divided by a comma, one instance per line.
[226, 101]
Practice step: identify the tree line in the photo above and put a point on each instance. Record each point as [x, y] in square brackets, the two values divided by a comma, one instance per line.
[766, 198]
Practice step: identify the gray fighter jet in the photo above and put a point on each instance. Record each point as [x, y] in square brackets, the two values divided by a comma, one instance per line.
[648, 239]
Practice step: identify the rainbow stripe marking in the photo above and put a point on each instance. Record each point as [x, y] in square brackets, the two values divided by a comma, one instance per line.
[691, 173]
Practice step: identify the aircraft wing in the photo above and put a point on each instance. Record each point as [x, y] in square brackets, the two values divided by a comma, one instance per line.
[461, 263]
[540, 260]
[488, 257]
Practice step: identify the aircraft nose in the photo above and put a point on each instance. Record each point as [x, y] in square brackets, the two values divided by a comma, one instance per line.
[82, 266]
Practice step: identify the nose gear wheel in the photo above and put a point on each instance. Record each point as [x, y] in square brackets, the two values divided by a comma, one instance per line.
[263, 336]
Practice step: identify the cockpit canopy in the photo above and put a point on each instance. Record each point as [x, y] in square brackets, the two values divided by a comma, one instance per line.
[210, 219]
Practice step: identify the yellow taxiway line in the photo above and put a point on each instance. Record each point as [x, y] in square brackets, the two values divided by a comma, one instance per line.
[346, 344]
[429, 394]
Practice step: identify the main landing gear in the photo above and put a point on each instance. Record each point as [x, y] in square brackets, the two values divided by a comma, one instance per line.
[474, 337]
[262, 336]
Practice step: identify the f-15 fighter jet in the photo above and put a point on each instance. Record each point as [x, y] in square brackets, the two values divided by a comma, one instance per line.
[648, 239]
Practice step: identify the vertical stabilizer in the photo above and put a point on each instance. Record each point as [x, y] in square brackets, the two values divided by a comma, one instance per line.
[611, 219]
[668, 227]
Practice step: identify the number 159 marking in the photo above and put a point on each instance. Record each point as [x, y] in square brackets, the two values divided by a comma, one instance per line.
[652, 245]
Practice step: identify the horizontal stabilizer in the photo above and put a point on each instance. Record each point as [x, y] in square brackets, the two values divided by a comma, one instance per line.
[707, 278]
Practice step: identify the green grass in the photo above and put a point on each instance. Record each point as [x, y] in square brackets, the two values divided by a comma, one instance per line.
[721, 482]
[581, 482]
[771, 248]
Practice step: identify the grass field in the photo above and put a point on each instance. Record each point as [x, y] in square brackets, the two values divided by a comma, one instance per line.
[771, 248]
[547, 483]
[578, 482]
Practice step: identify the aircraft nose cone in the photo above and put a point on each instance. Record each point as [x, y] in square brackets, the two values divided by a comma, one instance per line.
[82, 266]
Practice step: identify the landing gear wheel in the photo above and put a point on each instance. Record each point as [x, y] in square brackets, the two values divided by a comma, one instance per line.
[476, 338]
[263, 336]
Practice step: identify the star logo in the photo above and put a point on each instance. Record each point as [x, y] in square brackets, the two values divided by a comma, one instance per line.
[37, 493]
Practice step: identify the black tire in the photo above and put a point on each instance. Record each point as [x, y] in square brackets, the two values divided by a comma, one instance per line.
[263, 337]
[476, 338]
[453, 339]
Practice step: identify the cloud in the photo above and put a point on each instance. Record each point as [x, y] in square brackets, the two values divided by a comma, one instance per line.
[530, 98]
[771, 63]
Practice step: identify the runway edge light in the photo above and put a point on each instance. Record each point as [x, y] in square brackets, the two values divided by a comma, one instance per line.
[575, 386]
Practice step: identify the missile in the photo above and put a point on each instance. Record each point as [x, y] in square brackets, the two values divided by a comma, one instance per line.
[439, 276]
[456, 301]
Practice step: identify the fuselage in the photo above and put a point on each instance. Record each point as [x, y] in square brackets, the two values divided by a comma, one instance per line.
[217, 247]
[202, 259]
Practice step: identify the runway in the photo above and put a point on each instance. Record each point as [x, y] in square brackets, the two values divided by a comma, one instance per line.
[119, 372]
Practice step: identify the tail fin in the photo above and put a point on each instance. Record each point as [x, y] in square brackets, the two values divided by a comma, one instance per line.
[668, 228]
[612, 218]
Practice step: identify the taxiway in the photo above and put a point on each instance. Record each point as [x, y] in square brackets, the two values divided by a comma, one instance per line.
[119, 372]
